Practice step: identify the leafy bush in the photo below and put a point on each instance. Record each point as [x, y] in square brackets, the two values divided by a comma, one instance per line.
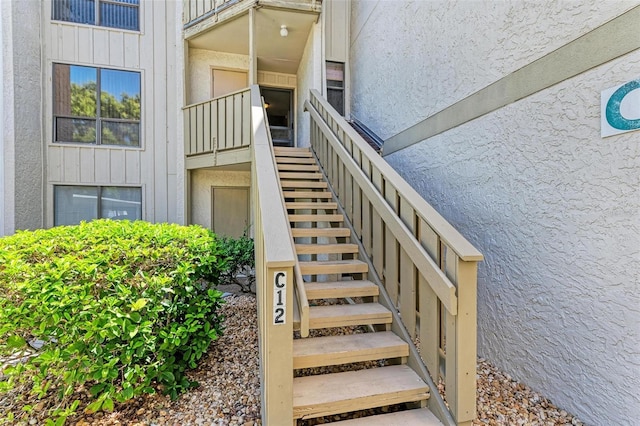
[239, 255]
[121, 306]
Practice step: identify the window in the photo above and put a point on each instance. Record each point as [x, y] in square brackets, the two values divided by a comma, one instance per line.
[122, 14]
[73, 204]
[97, 106]
[335, 85]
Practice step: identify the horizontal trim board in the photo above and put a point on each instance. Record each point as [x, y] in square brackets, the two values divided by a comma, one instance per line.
[611, 40]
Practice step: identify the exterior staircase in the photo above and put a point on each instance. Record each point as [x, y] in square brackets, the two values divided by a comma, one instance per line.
[350, 331]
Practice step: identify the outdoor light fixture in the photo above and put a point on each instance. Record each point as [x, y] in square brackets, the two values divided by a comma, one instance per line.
[284, 31]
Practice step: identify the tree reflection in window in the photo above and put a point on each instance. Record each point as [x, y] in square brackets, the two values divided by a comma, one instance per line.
[94, 105]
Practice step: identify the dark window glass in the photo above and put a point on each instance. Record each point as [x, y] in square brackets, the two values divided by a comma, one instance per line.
[335, 85]
[73, 204]
[119, 14]
[124, 14]
[87, 99]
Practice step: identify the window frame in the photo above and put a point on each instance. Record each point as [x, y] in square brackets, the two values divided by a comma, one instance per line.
[99, 189]
[334, 88]
[97, 16]
[98, 118]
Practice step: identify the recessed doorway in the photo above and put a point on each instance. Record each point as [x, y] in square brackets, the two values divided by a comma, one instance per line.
[279, 105]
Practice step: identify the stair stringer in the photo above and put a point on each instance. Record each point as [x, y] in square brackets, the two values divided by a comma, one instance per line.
[435, 402]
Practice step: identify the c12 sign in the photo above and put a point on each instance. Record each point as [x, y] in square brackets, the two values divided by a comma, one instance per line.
[620, 109]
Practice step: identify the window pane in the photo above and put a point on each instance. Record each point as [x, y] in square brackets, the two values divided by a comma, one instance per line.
[121, 203]
[120, 94]
[75, 130]
[74, 90]
[80, 11]
[120, 133]
[336, 99]
[73, 204]
[119, 15]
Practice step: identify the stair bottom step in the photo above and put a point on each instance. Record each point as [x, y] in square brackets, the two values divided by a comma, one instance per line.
[328, 394]
[422, 417]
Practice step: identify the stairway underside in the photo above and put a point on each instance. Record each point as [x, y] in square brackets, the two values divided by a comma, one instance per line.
[351, 361]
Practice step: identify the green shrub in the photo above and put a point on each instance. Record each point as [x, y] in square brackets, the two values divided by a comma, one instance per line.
[240, 260]
[121, 306]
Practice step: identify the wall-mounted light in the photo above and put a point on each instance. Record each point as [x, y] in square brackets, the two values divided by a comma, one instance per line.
[284, 31]
[266, 104]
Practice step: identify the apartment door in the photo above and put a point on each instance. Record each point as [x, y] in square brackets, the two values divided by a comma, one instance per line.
[230, 211]
[279, 105]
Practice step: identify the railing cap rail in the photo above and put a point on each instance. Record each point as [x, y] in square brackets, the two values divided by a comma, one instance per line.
[215, 99]
[448, 234]
[279, 252]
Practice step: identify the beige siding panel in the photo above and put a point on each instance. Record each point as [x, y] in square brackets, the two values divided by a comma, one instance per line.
[71, 164]
[131, 50]
[54, 41]
[132, 167]
[172, 198]
[101, 46]
[87, 165]
[118, 166]
[172, 109]
[102, 166]
[85, 45]
[246, 119]
[69, 47]
[206, 127]
[116, 49]
[54, 164]
[228, 143]
[337, 25]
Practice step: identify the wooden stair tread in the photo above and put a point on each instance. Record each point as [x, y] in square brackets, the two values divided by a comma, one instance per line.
[341, 289]
[344, 349]
[328, 394]
[298, 167]
[343, 315]
[279, 153]
[300, 175]
[316, 218]
[321, 232]
[312, 205]
[303, 184]
[295, 160]
[322, 267]
[306, 194]
[326, 248]
[416, 417]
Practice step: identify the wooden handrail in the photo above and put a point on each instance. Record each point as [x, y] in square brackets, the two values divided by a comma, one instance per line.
[228, 95]
[438, 280]
[275, 261]
[427, 269]
[458, 243]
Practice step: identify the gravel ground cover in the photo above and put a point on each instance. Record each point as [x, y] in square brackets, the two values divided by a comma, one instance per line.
[229, 392]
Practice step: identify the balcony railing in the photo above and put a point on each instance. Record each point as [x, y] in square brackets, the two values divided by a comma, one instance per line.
[216, 127]
[429, 270]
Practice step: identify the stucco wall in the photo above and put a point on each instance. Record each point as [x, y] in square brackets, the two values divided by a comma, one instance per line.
[554, 208]
[21, 131]
[200, 63]
[421, 56]
[309, 76]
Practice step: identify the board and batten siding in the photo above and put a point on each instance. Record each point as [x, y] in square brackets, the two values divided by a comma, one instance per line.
[157, 165]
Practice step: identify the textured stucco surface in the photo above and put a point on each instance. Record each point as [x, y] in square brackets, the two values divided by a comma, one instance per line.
[554, 208]
[22, 138]
[422, 56]
[201, 182]
[309, 77]
[200, 63]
